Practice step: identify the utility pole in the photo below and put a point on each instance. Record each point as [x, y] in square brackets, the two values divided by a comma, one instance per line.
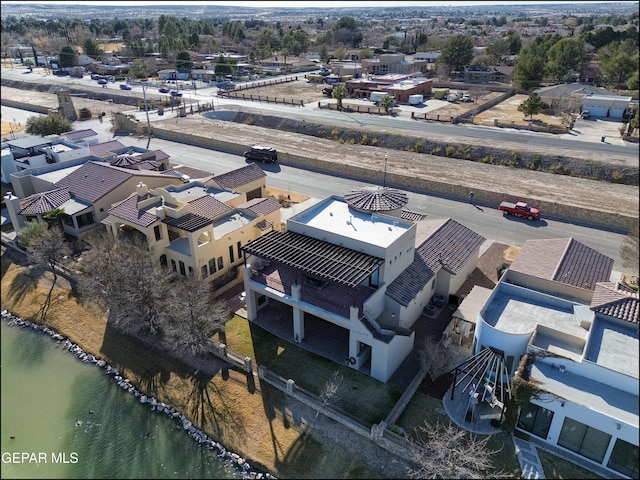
[146, 109]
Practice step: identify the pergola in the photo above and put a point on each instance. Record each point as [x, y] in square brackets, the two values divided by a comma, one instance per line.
[485, 377]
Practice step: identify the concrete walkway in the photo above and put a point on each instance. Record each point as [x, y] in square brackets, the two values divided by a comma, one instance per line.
[528, 458]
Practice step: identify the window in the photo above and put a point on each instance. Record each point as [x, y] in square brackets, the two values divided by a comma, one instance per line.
[584, 440]
[204, 271]
[191, 271]
[212, 266]
[173, 265]
[231, 257]
[624, 458]
[182, 269]
[535, 419]
[239, 245]
[220, 263]
[157, 232]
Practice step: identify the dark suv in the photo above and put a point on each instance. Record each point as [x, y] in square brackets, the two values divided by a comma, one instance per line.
[263, 154]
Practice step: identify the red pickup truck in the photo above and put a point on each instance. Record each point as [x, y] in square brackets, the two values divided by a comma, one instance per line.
[520, 209]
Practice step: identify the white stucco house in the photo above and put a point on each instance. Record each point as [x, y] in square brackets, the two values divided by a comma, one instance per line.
[355, 275]
[569, 331]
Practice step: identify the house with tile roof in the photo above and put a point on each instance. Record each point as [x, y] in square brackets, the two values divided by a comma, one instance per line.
[570, 333]
[354, 279]
[196, 228]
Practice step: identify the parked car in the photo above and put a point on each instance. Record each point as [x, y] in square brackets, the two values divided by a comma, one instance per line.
[125, 86]
[102, 81]
[95, 76]
[520, 209]
[263, 154]
[163, 90]
[175, 93]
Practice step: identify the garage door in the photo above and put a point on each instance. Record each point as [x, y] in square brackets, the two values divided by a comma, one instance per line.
[595, 111]
[616, 112]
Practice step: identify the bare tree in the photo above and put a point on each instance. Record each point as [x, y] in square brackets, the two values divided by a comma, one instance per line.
[47, 248]
[128, 281]
[629, 247]
[437, 359]
[447, 451]
[194, 317]
[331, 391]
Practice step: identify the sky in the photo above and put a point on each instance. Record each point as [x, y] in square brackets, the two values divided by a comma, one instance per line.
[316, 4]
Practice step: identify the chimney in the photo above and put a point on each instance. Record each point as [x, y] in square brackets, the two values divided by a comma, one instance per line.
[142, 189]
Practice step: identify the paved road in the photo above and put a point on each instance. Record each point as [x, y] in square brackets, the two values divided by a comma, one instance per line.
[585, 139]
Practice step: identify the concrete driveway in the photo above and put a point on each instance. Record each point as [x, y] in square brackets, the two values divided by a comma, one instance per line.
[593, 129]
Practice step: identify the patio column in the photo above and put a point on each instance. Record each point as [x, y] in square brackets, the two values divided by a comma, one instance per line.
[250, 297]
[298, 315]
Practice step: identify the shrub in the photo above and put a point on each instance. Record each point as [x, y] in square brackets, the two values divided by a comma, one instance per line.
[374, 141]
[450, 151]
[84, 113]
[418, 147]
[436, 151]
[364, 139]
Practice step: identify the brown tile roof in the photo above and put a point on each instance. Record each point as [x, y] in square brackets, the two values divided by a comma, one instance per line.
[615, 300]
[261, 206]
[208, 207]
[241, 176]
[128, 210]
[79, 134]
[93, 180]
[192, 173]
[563, 260]
[41, 203]
[376, 199]
[449, 247]
[106, 149]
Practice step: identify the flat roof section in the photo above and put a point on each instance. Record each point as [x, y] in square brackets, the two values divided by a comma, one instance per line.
[335, 216]
[596, 396]
[516, 312]
[614, 345]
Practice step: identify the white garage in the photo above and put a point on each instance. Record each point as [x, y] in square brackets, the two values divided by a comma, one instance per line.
[611, 106]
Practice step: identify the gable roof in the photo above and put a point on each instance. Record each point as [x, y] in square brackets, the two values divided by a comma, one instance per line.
[615, 300]
[128, 210]
[105, 149]
[449, 247]
[261, 206]
[192, 173]
[92, 180]
[80, 134]
[563, 260]
[240, 176]
[567, 89]
[41, 203]
[315, 257]
[209, 207]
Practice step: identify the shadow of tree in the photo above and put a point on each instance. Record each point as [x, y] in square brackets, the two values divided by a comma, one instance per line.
[20, 286]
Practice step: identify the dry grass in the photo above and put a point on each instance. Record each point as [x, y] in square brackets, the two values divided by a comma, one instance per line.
[9, 127]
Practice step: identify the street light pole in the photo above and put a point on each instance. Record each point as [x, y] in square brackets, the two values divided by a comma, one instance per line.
[384, 177]
[146, 109]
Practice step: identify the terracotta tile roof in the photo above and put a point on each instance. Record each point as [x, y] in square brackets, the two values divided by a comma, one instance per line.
[261, 206]
[241, 176]
[92, 180]
[41, 203]
[563, 260]
[208, 207]
[106, 149]
[128, 211]
[449, 247]
[615, 300]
